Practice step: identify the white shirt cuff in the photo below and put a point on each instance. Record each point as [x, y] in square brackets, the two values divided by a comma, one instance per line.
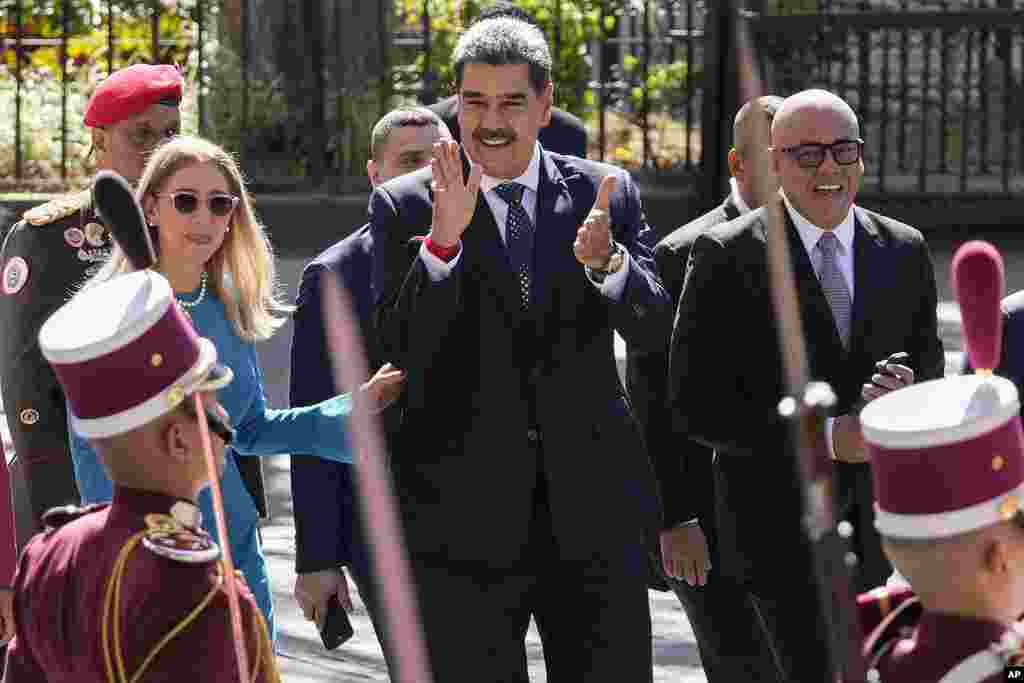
[829, 422]
[615, 284]
[438, 269]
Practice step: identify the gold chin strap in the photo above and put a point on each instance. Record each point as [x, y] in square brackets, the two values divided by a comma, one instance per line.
[112, 654]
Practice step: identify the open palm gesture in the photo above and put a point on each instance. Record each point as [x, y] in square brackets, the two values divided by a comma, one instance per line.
[454, 196]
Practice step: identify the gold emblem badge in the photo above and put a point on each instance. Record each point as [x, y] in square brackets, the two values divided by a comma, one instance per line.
[156, 360]
[94, 234]
[175, 395]
[167, 537]
[29, 416]
[1008, 507]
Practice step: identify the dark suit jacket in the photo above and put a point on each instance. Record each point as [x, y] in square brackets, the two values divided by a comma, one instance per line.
[328, 528]
[482, 375]
[1011, 363]
[565, 134]
[683, 479]
[726, 376]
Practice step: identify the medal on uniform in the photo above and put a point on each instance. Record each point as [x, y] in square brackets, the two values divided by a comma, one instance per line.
[94, 234]
[167, 537]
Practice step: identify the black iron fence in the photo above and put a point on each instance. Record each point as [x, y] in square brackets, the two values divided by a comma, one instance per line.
[938, 85]
[293, 86]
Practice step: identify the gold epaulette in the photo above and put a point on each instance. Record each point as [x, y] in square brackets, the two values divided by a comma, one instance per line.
[58, 208]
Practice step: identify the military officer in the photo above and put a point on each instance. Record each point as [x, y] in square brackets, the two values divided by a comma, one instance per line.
[132, 589]
[45, 256]
[948, 467]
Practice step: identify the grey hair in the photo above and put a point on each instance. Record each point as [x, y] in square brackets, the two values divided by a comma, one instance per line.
[503, 40]
[402, 117]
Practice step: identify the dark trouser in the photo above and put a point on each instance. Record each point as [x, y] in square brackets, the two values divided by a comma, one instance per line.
[855, 503]
[733, 645]
[361, 570]
[594, 619]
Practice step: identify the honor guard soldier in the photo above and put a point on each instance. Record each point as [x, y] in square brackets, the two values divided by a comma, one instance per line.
[46, 256]
[948, 465]
[132, 590]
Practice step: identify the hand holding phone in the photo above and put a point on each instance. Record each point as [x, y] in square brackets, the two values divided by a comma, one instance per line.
[891, 373]
[335, 627]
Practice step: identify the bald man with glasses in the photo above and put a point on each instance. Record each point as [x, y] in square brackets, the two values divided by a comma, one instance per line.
[866, 291]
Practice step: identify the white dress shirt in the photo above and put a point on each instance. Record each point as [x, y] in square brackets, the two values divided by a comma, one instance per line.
[809, 235]
[737, 198]
[612, 287]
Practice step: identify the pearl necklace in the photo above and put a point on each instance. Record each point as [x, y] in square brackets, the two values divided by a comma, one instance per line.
[185, 305]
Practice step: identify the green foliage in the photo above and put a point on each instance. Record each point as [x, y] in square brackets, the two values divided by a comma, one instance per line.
[578, 25]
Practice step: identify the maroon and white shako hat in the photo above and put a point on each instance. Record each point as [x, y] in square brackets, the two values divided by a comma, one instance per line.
[947, 456]
[125, 354]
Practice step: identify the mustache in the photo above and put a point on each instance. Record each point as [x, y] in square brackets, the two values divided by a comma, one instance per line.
[486, 133]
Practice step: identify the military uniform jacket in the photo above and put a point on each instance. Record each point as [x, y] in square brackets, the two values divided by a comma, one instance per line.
[70, 627]
[45, 257]
[908, 644]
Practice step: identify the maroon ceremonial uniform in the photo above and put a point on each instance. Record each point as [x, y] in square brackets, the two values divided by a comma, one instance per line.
[169, 578]
[947, 459]
[942, 647]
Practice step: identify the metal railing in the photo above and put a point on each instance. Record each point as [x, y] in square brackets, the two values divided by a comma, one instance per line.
[937, 83]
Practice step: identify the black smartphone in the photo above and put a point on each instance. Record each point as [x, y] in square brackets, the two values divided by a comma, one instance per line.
[336, 627]
[898, 358]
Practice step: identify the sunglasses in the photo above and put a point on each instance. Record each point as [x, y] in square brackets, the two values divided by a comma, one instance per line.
[185, 202]
[217, 424]
[812, 154]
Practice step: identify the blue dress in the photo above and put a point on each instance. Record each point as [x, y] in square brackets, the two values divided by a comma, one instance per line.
[320, 429]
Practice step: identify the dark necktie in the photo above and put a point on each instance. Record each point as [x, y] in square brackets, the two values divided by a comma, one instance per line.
[834, 285]
[518, 238]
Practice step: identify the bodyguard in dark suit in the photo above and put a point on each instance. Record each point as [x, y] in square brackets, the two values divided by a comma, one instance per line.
[524, 487]
[564, 134]
[725, 623]
[328, 522]
[865, 289]
[1011, 363]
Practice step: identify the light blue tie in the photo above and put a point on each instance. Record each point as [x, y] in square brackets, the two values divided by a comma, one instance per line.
[834, 286]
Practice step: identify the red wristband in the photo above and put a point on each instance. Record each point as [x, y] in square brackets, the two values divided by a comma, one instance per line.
[446, 254]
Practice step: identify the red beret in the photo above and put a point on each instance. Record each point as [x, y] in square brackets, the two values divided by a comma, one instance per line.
[131, 91]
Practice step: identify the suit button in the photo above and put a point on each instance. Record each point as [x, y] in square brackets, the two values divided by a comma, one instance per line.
[639, 310]
[532, 435]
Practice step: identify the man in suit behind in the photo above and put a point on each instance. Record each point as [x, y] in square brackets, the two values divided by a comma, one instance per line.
[728, 632]
[328, 528]
[564, 134]
[865, 290]
[524, 487]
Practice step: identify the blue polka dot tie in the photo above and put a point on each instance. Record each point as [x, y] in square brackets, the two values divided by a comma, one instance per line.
[518, 238]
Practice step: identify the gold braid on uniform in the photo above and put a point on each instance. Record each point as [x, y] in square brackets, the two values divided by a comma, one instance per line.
[262, 636]
[112, 611]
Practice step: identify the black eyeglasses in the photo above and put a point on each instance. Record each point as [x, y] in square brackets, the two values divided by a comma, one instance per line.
[812, 154]
[185, 202]
[217, 424]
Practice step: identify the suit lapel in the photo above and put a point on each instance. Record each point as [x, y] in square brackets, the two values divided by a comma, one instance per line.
[819, 325]
[554, 233]
[868, 251]
[730, 209]
[487, 258]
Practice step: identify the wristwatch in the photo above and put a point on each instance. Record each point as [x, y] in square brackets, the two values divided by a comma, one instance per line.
[615, 260]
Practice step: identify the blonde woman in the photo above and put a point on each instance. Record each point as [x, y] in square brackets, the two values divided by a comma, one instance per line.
[218, 260]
